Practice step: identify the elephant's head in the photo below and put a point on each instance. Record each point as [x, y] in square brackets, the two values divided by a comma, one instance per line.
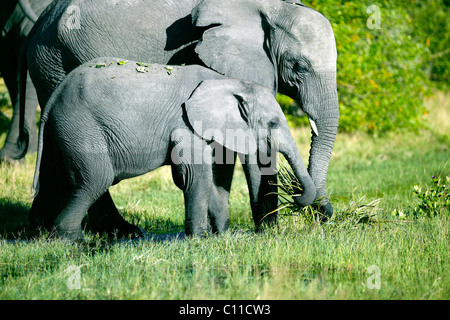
[287, 47]
[246, 118]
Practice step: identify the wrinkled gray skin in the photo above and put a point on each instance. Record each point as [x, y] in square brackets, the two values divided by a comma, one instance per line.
[114, 123]
[286, 47]
[16, 20]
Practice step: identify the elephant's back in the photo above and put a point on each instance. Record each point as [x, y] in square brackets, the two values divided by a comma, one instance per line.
[71, 33]
[117, 108]
[120, 93]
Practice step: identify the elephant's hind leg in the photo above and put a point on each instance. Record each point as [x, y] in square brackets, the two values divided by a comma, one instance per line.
[105, 218]
[68, 223]
[54, 185]
[91, 174]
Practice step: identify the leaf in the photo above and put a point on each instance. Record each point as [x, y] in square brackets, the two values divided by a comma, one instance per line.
[122, 62]
[141, 64]
[141, 69]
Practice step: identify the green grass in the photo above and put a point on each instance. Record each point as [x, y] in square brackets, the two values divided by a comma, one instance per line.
[318, 263]
[296, 260]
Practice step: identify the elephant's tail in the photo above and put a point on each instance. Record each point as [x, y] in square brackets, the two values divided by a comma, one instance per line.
[35, 186]
[44, 117]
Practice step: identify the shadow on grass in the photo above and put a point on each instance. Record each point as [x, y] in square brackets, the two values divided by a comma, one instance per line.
[15, 227]
[156, 230]
[154, 237]
[14, 223]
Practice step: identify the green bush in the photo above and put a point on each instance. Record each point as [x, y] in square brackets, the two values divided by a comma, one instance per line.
[434, 200]
[432, 27]
[384, 73]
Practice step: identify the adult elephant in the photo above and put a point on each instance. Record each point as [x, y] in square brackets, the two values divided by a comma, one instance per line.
[286, 47]
[17, 17]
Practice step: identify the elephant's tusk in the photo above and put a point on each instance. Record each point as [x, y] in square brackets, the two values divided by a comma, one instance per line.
[313, 126]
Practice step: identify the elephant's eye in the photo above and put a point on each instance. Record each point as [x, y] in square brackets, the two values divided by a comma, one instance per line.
[301, 67]
[274, 123]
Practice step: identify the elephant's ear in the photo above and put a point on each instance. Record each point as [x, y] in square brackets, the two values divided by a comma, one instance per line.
[237, 44]
[218, 111]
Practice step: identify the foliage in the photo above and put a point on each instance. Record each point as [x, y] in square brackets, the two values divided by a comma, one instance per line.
[433, 28]
[434, 200]
[384, 73]
[294, 115]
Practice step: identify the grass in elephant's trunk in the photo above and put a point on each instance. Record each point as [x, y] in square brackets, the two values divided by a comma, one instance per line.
[354, 214]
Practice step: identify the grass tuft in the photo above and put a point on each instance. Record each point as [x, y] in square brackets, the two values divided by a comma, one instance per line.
[352, 215]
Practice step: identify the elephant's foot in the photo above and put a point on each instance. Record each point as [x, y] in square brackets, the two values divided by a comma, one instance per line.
[197, 228]
[265, 216]
[220, 227]
[11, 154]
[104, 218]
[218, 217]
[268, 222]
[68, 226]
[217, 225]
[69, 235]
[325, 211]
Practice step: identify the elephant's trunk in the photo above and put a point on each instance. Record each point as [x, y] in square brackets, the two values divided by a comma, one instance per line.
[326, 122]
[289, 150]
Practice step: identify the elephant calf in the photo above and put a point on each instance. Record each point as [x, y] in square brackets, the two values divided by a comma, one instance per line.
[112, 120]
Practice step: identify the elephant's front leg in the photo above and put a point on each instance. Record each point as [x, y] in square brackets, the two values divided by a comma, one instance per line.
[262, 190]
[218, 216]
[196, 201]
[192, 172]
[222, 171]
[196, 182]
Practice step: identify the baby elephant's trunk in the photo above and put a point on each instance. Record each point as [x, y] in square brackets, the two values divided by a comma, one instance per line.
[290, 152]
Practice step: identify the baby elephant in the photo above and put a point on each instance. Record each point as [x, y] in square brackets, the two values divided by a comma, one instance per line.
[114, 120]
